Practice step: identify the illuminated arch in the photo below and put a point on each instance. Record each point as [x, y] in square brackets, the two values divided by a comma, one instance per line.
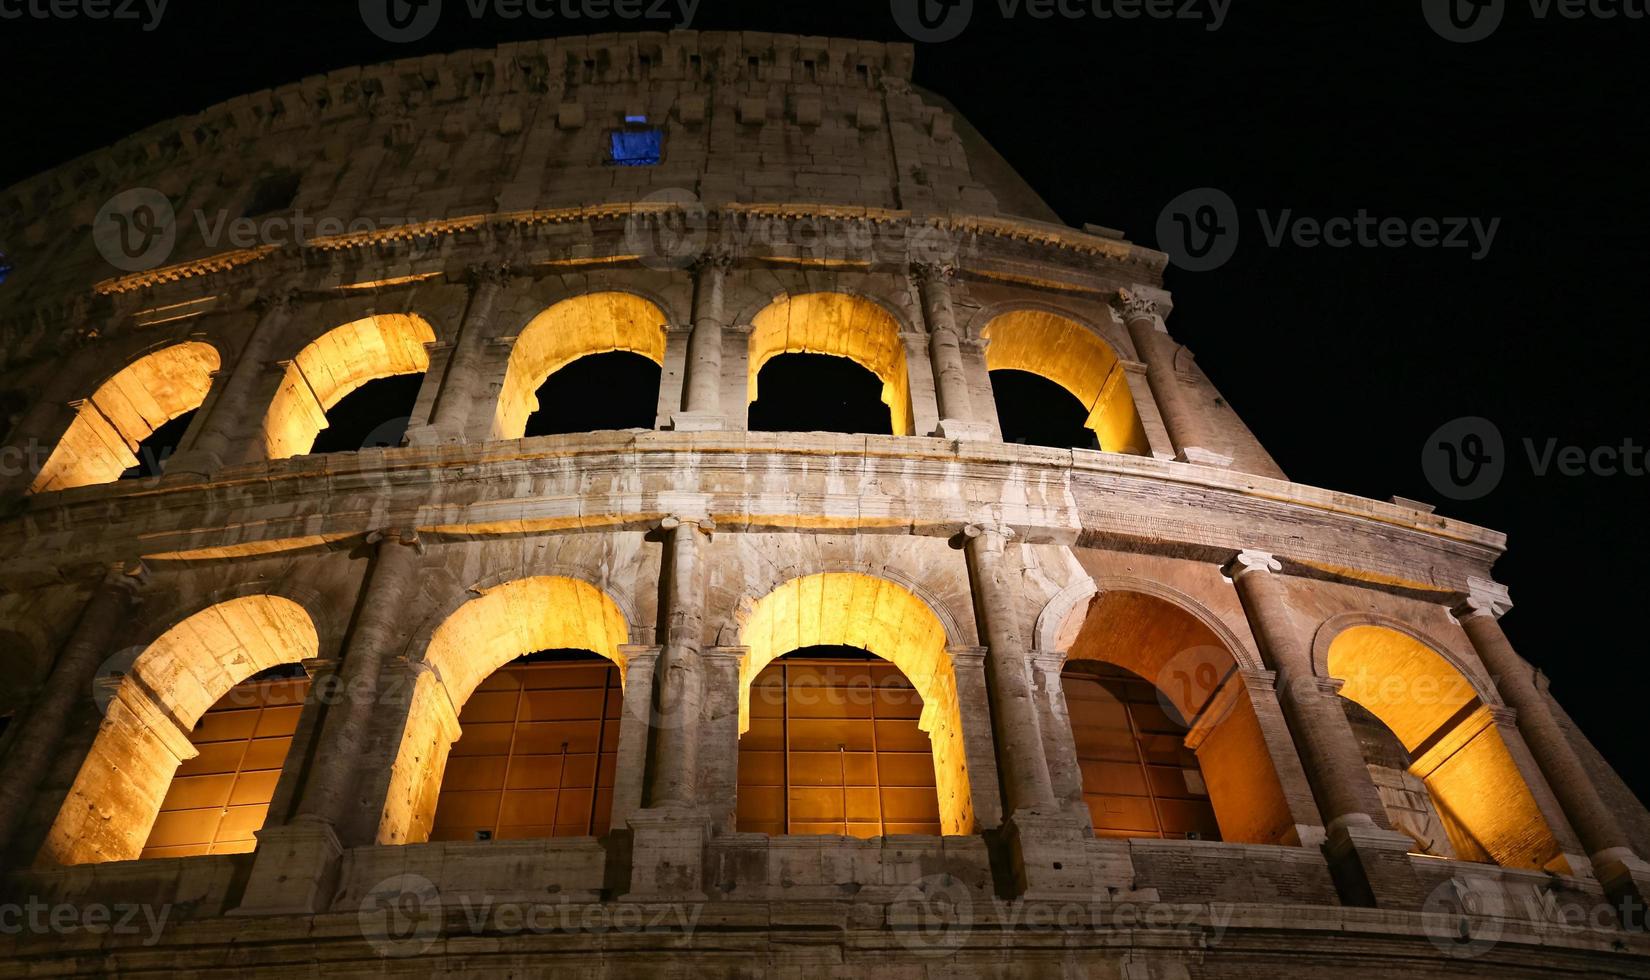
[1198, 677]
[594, 323]
[335, 364]
[1452, 739]
[842, 325]
[102, 441]
[506, 621]
[1066, 353]
[150, 712]
[883, 618]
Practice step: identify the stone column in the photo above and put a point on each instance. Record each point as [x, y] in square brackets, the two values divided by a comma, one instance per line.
[1153, 345]
[956, 410]
[1065, 773]
[631, 758]
[1619, 868]
[296, 863]
[702, 399]
[667, 858]
[238, 400]
[1047, 850]
[468, 360]
[1370, 863]
[41, 731]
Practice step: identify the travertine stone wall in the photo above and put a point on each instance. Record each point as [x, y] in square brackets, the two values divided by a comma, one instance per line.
[809, 199]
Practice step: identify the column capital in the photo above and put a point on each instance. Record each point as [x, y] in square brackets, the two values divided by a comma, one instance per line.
[992, 533]
[1134, 306]
[487, 274]
[716, 258]
[675, 521]
[924, 273]
[1250, 560]
[1483, 598]
[965, 656]
[278, 301]
[392, 535]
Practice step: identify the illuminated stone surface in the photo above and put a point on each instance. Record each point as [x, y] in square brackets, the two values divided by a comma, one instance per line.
[864, 221]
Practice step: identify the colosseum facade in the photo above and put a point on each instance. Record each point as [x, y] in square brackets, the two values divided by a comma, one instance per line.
[698, 696]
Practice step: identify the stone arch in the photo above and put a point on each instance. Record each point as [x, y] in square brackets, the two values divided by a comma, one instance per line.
[1056, 347]
[1203, 675]
[589, 323]
[150, 706]
[883, 618]
[1446, 720]
[501, 623]
[335, 364]
[108, 427]
[1327, 632]
[955, 634]
[841, 324]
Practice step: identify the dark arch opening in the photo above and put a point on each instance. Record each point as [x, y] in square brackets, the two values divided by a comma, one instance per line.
[819, 393]
[614, 390]
[1035, 411]
[153, 452]
[537, 751]
[372, 416]
[1410, 807]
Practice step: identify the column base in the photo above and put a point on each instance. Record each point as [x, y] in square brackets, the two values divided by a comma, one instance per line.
[1203, 457]
[1625, 878]
[699, 422]
[1050, 854]
[667, 856]
[191, 466]
[963, 431]
[1371, 867]
[294, 871]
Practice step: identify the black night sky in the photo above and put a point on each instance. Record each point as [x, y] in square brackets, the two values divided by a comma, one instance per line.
[1343, 360]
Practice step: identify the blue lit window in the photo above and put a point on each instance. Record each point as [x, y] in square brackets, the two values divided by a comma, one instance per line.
[5, 267]
[637, 147]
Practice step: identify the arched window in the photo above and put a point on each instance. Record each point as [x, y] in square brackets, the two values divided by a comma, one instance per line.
[373, 416]
[532, 726]
[536, 757]
[839, 325]
[338, 363]
[1035, 411]
[613, 390]
[835, 747]
[595, 323]
[1068, 354]
[1452, 744]
[153, 726]
[219, 798]
[818, 393]
[1167, 738]
[1139, 778]
[871, 616]
[126, 414]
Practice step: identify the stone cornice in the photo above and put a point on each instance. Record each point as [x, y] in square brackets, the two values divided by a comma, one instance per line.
[883, 484]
